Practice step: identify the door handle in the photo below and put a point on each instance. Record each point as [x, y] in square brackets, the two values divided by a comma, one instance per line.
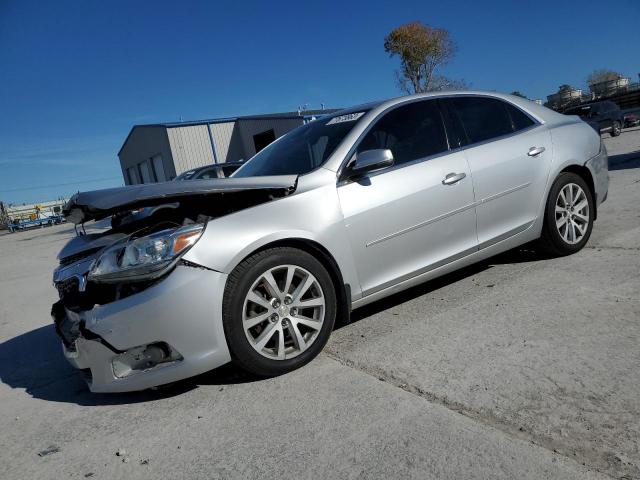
[453, 178]
[533, 151]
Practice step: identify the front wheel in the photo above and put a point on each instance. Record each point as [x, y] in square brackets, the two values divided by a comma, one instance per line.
[278, 311]
[568, 219]
[616, 130]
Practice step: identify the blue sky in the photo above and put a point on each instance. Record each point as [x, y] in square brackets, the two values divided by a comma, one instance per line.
[75, 76]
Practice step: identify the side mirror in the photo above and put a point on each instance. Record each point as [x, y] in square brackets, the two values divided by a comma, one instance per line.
[371, 160]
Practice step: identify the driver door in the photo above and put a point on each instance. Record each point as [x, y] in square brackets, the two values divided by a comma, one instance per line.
[406, 219]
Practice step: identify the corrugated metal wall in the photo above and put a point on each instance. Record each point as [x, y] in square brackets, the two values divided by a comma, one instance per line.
[143, 144]
[190, 146]
[227, 142]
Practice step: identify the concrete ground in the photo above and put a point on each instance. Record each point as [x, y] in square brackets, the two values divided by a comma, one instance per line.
[519, 367]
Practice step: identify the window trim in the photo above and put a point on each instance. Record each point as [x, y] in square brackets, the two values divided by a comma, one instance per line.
[343, 180]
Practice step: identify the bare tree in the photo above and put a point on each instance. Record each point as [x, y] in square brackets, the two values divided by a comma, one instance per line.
[602, 75]
[422, 50]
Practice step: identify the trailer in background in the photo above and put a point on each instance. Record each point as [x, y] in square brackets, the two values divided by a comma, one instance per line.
[24, 217]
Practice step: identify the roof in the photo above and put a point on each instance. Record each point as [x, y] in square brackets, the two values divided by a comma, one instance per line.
[279, 116]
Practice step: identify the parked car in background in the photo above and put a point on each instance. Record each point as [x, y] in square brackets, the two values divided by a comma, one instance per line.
[604, 117]
[336, 214]
[219, 170]
[631, 120]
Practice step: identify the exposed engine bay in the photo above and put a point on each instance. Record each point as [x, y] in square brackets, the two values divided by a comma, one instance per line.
[139, 235]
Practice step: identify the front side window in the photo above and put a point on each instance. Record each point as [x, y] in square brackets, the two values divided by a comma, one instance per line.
[483, 118]
[411, 132]
[303, 149]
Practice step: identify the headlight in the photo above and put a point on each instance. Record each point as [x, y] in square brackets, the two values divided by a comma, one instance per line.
[144, 258]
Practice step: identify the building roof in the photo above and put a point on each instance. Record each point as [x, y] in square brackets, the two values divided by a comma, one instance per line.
[280, 116]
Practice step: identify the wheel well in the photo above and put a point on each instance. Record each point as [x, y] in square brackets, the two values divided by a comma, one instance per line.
[343, 290]
[585, 174]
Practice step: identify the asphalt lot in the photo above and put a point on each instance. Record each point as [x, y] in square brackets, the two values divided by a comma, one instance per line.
[519, 367]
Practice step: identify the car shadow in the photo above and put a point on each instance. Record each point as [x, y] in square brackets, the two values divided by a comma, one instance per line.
[523, 254]
[625, 161]
[33, 361]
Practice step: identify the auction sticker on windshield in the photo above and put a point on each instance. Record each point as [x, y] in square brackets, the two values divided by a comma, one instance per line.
[349, 117]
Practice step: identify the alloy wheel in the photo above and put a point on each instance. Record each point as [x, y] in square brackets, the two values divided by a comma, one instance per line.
[572, 213]
[616, 129]
[283, 312]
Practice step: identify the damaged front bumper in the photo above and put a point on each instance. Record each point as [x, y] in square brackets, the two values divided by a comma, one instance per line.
[167, 332]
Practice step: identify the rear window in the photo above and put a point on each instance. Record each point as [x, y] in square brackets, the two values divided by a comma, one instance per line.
[482, 118]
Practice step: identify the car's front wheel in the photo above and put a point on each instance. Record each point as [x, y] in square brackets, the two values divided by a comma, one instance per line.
[278, 312]
[568, 216]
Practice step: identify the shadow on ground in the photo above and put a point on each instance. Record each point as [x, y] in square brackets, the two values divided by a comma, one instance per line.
[34, 361]
[523, 254]
[625, 161]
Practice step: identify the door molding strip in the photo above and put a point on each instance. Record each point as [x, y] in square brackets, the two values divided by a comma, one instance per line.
[446, 215]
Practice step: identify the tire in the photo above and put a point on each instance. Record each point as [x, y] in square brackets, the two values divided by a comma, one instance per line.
[249, 297]
[558, 240]
[616, 130]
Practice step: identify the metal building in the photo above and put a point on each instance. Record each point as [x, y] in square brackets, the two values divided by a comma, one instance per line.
[160, 152]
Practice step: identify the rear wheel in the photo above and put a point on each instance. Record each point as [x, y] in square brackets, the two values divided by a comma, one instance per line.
[278, 312]
[616, 130]
[568, 216]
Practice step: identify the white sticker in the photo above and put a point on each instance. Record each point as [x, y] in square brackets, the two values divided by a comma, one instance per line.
[349, 117]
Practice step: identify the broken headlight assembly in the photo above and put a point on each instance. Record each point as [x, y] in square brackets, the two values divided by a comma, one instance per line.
[144, 258]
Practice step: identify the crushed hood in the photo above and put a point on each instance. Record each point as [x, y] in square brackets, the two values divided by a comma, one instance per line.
[97, 204]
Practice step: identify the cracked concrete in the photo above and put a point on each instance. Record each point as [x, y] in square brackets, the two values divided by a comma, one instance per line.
[518, 367]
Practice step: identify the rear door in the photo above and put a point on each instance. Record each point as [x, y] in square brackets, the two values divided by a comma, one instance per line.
[509, 154]
[409, 218]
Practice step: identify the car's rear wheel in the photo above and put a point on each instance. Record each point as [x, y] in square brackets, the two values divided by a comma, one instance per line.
[617, 129]
[568, 216]
[278, 312]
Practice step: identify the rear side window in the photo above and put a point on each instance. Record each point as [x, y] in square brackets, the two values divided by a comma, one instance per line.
[411, 132]
[519, 119]
[482, 118]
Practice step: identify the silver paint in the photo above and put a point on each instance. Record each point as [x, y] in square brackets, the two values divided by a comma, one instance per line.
[387, 231]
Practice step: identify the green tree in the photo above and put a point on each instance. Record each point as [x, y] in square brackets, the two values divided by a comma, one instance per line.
[602, 75]
[422, 50]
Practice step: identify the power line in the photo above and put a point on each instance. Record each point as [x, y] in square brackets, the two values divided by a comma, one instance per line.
[58, 185]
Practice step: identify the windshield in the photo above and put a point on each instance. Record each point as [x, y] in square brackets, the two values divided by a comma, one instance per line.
[303, 149]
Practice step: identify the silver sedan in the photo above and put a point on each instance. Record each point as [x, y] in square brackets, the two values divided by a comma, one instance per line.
[345, 210]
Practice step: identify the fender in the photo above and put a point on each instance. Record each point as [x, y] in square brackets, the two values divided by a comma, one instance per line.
[229, 239]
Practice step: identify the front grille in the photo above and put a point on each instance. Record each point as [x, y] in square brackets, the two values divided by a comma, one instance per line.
[78, 256]
[97, 294]
[68, 288]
